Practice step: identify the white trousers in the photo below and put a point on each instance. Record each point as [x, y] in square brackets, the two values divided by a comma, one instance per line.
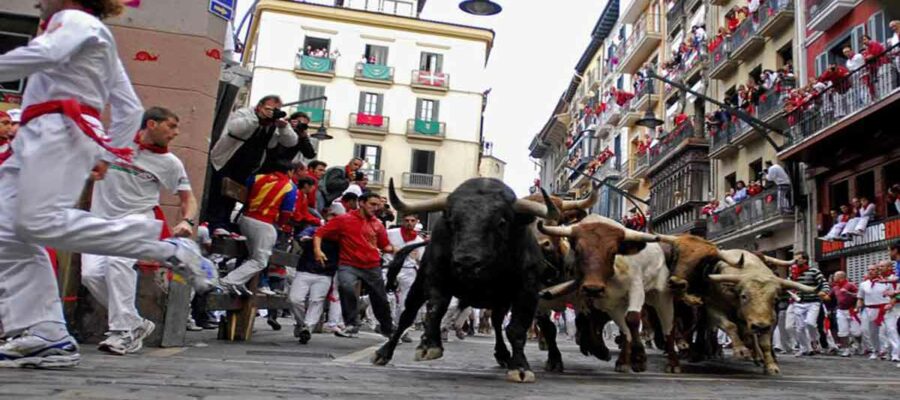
[313, 286]
[873, 332]
[39, 187]
[847, 326]
[806, 316]
[335, 316]
[836, 230]
[784, 332]
[405, 279]
[261, 238]
[890, 330]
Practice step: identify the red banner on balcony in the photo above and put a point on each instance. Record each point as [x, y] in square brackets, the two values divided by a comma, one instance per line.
[369, 119]
[429, 78]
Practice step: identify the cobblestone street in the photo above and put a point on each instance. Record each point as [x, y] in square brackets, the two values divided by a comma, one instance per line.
[274, 366]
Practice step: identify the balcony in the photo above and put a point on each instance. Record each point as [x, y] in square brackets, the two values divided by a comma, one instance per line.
[721, 65]
[823, 14]
[668, 146]
[421, 182]
[767, 211]
[644, 39]
[635, 9]
[675, 16]
[369, 124]
[314, 66]
[429, 80]
[773, 18]
[376, 177]
[877, 237]
[745, 41]
[866, 99]
[684, 73]
[374, 73]
[611, 116]
[629, 180]
[630, 113]
[641, 162]
[644, 97]
[720, 140]
[425, 130]
[317, 116]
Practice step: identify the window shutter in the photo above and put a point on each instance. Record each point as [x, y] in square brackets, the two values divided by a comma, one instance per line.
[429, 167]
[379, 107]
[377, 157]
[423, 61]
[359, 151]
[821, 63]
[419, 109]
[434, 111]
[856, 36]
[362, 103]
[381, 55]
[438, 63]
[877, 27]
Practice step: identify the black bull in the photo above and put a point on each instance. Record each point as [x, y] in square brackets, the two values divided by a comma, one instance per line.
[483, 252]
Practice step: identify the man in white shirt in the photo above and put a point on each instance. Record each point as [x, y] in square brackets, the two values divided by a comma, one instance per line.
[873, 304]
[405, 235]
[73, 72]
[858, 94]
[132, 191]
[776, 174]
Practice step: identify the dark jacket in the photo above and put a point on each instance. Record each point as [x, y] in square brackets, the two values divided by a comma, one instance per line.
[308, 261]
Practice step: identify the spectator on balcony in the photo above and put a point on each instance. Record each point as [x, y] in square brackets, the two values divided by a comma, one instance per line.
[754, 189]
[699, 35]
[729, 201]
[718, 40]
[776, 174]
[740, 192]
[894, 42]
[840, 221]
[865, 211]
[731, 20]
[680, 118]
[879, 66]
[710, 208]
[855, 207]
[894, 197]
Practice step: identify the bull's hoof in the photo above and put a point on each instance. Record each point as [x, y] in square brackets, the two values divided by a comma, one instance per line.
[602, 353]
[773, 370]
[639, 366]
[673, 369]
[554, 366]
[380, 358]
[502, 358]
[742, 353]
[692, 300]
[431, 353]
[682, 345]
[520, 376]
[623, 368]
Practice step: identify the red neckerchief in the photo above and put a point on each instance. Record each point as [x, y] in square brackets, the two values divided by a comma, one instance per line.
[149, 147]
[798, 270]
[408, 234]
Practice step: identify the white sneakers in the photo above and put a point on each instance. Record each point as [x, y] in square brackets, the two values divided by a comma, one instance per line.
[190, 263]
[121, 342]
[27, 350]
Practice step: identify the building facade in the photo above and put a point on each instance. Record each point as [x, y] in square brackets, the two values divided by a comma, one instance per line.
[154, 48]
[491, 166]
[403, 94]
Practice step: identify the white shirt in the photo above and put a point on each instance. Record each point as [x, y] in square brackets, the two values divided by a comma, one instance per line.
[893, 40]
[130, 189]
[777, 174]
[240, 127]
[856, 62]
[872, 293]
[353, 188]
[77, 58]
[753, 6]
[396, 239]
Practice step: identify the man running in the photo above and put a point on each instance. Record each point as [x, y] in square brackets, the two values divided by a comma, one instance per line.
[73, 72]
[132, 190]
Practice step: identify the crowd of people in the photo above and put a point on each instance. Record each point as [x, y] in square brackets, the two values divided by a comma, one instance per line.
[772, 176]
[850, 220]
[321, 52]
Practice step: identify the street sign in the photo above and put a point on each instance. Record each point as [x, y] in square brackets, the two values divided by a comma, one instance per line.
[222, 8]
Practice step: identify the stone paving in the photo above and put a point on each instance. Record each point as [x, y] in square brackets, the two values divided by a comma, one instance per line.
[273, 365]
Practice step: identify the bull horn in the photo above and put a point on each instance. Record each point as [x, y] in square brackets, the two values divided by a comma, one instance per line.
[789, 284]
[778, 262]
[558, 290]
[725, 278]
[564, 231]
[728, 259]
[669, 239]
[436, 204]
[568, 205]
[547, 210]
[632, 235]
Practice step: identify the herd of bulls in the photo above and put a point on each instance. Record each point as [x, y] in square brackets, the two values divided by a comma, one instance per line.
[530, 256]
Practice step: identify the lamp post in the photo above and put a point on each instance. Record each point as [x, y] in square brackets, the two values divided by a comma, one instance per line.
[480, 7]
[321, 132]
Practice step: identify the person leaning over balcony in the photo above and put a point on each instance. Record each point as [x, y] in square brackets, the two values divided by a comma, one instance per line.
[776, 174]
[864, 213]
[878, 65]
[840, 222]
[740, 193]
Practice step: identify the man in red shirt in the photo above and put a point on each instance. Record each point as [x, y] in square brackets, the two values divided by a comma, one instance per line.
[360, 236]
[845, 292]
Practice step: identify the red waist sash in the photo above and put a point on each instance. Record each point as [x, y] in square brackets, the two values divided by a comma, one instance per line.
[74, 110]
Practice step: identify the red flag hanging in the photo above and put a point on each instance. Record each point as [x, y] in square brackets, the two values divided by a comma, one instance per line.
[369, 119]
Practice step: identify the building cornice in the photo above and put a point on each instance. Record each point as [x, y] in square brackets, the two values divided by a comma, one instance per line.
[367, 18]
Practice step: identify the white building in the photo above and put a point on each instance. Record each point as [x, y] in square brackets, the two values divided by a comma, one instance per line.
[412, 110]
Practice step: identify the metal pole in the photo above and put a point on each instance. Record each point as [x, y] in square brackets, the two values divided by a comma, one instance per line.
[305, 101]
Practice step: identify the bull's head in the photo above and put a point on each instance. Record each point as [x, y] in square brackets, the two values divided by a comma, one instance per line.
[757, 295]
[597, 242]
[479, 219]
[692, 251]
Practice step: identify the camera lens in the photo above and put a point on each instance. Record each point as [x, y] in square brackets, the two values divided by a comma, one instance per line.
[278, 114]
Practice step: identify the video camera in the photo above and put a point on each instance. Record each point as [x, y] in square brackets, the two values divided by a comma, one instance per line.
[278, 114]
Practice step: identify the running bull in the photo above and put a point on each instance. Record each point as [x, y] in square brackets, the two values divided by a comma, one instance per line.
[483, 252]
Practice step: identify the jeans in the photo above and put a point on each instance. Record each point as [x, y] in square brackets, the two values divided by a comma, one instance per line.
[371, 279]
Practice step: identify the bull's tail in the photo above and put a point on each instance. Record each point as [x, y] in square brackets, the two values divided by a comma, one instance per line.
[397, 263]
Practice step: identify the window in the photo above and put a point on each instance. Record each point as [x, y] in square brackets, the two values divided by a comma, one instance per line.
[617, 150]
[730, 181]
[422, 162]
[756, 74]
[878, 28]
[755, 172]
[310, 92]
[427, 110]
[370, 154]
[785, 55]
[370, 103]
[314, 44]
[376, 54]
[16, 31]
[620, 83]
[431, 62]
[865, 185]
[839, 194]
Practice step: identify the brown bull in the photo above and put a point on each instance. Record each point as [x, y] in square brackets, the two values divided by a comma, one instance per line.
[741, 301]
[691, 252]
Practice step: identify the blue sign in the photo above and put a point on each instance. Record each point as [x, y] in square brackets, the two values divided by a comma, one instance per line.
[222, 8]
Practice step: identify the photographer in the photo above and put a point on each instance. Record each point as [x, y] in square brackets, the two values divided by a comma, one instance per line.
[239, 152]
[299, 122]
